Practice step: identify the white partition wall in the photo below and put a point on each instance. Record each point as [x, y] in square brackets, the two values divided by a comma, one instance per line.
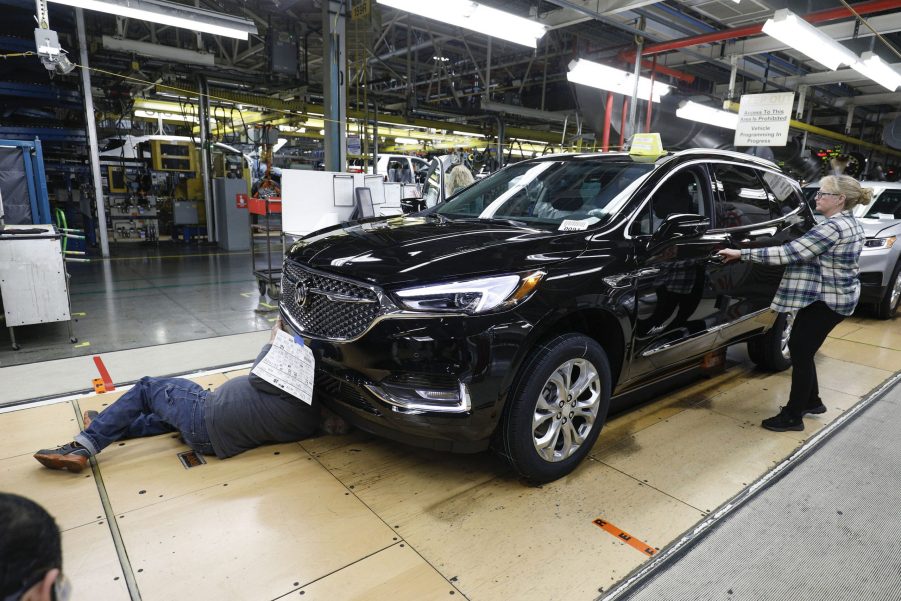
[312, 200]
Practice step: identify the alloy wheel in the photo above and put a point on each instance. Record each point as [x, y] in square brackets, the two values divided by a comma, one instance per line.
[896, 292]
[566, 410]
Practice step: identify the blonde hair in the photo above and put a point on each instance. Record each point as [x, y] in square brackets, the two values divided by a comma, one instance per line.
[459, 177]
[851, 189]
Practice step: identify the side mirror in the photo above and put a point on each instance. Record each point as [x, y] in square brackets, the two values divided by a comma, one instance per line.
[681, 225]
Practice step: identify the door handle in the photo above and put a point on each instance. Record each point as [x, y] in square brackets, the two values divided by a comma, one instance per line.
[648, 272]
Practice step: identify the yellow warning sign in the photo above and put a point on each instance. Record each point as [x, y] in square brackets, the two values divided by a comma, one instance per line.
[646, 145]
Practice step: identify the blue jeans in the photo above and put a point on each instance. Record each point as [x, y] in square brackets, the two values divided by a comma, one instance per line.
[153, 406]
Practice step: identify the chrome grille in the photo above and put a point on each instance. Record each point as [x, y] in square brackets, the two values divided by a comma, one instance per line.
[347, 314]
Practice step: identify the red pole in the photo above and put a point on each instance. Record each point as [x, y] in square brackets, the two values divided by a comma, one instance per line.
[608, 115]
[622, 127]
[647, 125]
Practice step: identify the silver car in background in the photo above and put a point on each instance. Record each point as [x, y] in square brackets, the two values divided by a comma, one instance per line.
[880, 261]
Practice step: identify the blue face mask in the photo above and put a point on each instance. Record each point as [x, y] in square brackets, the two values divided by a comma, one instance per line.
[62, 588]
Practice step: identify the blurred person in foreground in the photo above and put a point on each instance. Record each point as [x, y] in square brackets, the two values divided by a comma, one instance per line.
[31, 556]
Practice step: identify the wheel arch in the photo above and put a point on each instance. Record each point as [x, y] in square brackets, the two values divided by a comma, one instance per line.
[599, 324]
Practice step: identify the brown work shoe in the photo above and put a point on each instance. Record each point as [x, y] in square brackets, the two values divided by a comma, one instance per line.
[88, 417]
[71, 456]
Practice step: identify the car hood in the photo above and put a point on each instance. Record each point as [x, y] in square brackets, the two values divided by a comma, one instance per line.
[880, 227]
[417, 249]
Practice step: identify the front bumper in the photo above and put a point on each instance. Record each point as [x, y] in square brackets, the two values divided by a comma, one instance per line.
[876, 268]
[361, 380]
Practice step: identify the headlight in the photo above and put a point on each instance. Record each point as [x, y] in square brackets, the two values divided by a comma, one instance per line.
[880, 242]
[471, 296]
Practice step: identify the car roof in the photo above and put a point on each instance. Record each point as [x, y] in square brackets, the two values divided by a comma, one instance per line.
[867, 184]
[664, 158]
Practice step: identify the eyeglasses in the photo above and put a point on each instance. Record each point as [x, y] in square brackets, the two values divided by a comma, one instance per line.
[821, 193]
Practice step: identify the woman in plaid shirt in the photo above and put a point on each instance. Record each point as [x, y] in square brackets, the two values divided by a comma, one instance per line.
[820, 283]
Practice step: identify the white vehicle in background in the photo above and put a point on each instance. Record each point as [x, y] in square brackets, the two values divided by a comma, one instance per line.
[880, 261]
[414, 164]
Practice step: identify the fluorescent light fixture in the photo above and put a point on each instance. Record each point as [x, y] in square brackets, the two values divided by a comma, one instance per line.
[707, 114]
[477, 17]
[168, 13]
[878, 70]
[405, 141]
[795, 32]
[596, 75]
[468, 134]
[169, 53]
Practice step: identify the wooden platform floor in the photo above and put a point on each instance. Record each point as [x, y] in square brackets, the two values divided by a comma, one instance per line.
[359, 518]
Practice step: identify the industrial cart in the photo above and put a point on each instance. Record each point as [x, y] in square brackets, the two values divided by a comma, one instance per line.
[266, 223]
[33, 280]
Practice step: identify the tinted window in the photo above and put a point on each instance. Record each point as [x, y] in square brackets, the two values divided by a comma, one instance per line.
[550, 191]
[686, 191]
[743, 200]
[781, 192]
[888, 203]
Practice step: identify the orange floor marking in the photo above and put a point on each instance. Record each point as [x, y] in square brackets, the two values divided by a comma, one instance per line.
[626, 538]
[104, 375]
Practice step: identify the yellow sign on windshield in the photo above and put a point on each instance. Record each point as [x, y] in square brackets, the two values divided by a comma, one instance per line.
[647, 145]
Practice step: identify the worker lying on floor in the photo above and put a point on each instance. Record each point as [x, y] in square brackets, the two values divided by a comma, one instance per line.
[31, 554]
[241, 414]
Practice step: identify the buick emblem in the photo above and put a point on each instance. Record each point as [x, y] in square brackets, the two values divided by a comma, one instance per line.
[300, 294]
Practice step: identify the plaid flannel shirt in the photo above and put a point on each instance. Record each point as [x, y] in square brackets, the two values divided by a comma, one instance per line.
[821, 265]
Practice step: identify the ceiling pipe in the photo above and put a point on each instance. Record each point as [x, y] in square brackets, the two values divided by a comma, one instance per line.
[862, 8]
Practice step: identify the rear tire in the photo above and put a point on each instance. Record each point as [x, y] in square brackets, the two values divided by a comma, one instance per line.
[888, 306]
[769, 351]
[557, 408]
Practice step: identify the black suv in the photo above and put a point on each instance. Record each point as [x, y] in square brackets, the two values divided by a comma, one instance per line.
[513, 312]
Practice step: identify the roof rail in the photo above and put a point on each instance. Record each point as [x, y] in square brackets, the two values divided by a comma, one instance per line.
[731, 153]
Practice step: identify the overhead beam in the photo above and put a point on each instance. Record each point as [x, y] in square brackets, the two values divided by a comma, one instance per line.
[578, 11]
[820, 78]
[892, 98]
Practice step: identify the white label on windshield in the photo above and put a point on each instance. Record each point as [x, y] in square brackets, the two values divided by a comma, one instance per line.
[577, 225]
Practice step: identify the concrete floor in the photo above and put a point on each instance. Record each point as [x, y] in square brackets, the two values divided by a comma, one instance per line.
[147, 295]
[357, 517]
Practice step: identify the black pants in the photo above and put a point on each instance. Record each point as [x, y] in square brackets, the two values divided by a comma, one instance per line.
[812, 324]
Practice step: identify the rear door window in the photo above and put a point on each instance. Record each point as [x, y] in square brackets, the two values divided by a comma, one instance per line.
[781, 192]
[742, 198]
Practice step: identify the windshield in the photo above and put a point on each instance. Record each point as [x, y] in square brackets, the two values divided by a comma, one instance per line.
[886, 206]
[547, 193]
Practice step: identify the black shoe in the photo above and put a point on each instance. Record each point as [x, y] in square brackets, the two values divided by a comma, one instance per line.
[71, 456]
[821, 408]
[783, 422]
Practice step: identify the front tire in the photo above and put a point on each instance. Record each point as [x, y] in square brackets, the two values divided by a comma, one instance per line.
[888, 306]
[770, 350]
[557, 409]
